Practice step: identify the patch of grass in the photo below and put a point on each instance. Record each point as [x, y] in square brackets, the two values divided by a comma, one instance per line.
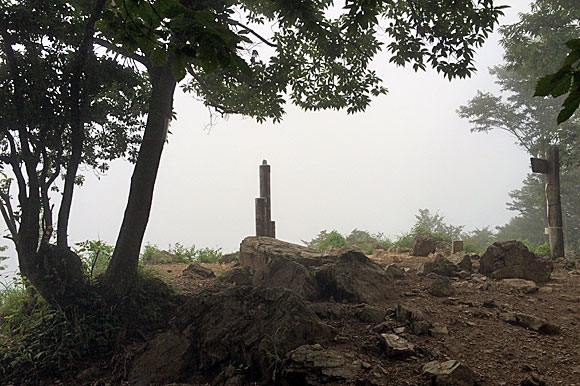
[40, 340]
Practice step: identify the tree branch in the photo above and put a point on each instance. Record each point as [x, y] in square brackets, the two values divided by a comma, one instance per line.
[121, 51]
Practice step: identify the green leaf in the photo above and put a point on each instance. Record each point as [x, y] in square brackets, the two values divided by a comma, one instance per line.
[544, 85]
[561, 85]
[573, 44]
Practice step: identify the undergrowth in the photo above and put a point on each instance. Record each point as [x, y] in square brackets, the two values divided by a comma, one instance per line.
[40, 340]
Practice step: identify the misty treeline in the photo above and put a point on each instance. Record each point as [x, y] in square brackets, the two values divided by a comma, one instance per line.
[535, 47]
[430, 224]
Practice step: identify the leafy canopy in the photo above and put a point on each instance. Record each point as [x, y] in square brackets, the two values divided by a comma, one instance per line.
[251, 57]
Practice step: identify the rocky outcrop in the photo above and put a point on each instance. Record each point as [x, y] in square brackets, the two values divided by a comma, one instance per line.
[423, 246]
[343, 275]
[236, 325]
[414, 318]
[512, 259]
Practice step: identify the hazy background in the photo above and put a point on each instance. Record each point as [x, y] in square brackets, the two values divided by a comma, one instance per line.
[330, 170]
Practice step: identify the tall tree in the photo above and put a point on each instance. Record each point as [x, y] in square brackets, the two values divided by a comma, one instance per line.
[534, 47]
[62, 107]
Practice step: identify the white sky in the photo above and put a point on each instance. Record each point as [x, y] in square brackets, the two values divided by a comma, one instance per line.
[330, 170]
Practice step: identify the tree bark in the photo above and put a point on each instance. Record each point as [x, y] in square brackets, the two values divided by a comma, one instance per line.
[122, 270]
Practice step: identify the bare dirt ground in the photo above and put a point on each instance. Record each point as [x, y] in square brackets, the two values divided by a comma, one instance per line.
[500, 353]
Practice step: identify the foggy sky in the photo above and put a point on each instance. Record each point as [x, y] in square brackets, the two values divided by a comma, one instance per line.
[329, 170]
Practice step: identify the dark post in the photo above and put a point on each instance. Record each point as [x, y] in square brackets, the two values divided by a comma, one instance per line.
[264, 224]
[551, 168]
[555, 229]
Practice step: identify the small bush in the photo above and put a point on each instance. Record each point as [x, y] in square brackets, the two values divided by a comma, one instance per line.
[543, 249]
[208, 255]
[95, 256]
[324, 241]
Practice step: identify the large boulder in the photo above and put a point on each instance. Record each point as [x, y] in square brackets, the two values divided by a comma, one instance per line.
[512, 259]
[352, 277]
[257, 251]
[242, 325]
[344, 275]
[450, 373]
[282, 272]
[423, 246]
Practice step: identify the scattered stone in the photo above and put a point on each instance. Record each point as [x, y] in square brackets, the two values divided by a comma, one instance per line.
[195, 270]
[546, 290]
[440, 265]
[395, 271]
[570, 298]
[370, 314]
[314, 365]
[222, 326]
[438, 329]
[462, 260]
[521, 285]
[387, 326]
[229, 258]
[396, 347]
[441, 287]
[398, 250]
[423, 246]
[399, 330]
[449, 373]
[414, 318]
[512, 259]
[533, 380]
[531, 322]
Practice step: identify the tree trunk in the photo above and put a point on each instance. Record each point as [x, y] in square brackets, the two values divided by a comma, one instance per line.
[122, 270]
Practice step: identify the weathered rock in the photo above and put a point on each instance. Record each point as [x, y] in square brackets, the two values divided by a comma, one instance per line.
[414, 318]
[256, 252]
[282, 272]
[345, 275]
[462, 260]
[531, 322]
[533, 380]
[439, 265]
[450, 373]
[395, 271]
[314, 365]
[398, 250]
[370, 314]
[238, 275]
[521, 285]
[423, 246]
[512, 259]
[438, 329]
[441, 287]
[352, 277]
[229, 258]
[396, 347]
[236, 325]
[195, 270]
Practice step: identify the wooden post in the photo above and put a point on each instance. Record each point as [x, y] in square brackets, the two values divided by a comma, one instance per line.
[551, 168]
[555, 225]
[264, 224]
[456, 246]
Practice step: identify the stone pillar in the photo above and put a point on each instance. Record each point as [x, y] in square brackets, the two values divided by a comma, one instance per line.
[456, 246]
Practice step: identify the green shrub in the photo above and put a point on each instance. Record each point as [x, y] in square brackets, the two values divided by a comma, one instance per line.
[324, 241]
[404, 241]
[543, 249]
[95, 256]
[367, 242]
[186, 255]
[208, 255]
[39, 340]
